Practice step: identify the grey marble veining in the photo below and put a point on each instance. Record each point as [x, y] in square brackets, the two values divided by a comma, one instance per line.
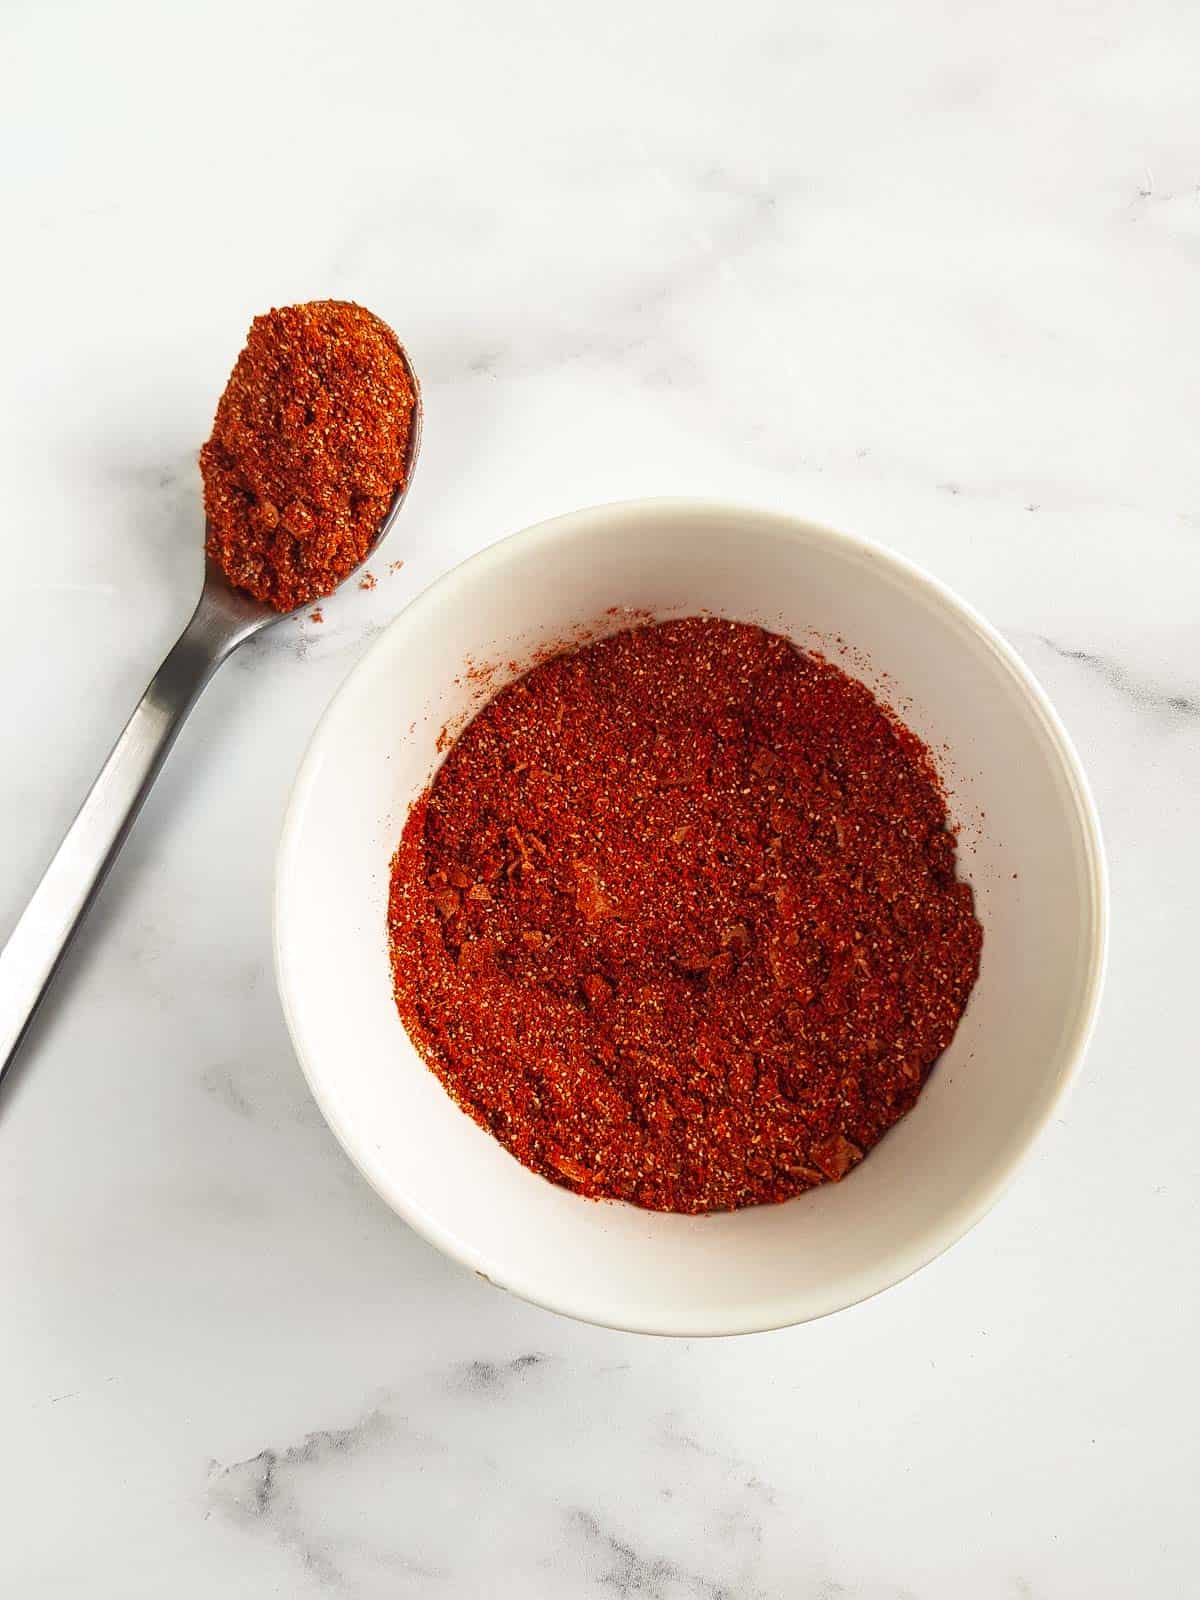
[924, 273]
[1145, 694]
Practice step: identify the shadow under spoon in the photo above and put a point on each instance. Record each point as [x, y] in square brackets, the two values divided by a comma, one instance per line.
[223, 619]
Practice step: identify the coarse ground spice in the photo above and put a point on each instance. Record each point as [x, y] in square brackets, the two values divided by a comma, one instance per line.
[678, 919]
[309, 447]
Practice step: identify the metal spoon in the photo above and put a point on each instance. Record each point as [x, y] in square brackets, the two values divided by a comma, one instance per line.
[224, 619]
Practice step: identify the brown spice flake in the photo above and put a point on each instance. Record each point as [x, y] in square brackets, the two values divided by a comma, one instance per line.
[596, 988]
[835, 1156]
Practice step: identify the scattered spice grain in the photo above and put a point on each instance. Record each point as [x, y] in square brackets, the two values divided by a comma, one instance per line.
[678, 919]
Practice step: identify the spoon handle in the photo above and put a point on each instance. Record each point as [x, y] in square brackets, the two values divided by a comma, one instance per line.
[71, 881]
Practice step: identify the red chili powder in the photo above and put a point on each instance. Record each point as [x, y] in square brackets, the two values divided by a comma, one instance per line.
[309, 447]
[678, 919]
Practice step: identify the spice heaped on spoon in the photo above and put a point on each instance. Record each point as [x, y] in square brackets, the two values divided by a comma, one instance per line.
[312, 451]
[309, 449]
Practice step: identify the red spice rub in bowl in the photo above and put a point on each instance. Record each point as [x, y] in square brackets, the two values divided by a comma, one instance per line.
[309, 447]
[678, 919]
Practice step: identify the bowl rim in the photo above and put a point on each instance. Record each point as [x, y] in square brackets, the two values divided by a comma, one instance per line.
[959, 1218]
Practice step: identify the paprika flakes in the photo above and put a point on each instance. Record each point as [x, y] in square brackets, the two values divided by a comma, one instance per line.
[678, 921]
[309, 448]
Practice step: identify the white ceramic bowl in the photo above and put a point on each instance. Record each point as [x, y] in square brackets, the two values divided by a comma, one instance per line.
[1030, 844]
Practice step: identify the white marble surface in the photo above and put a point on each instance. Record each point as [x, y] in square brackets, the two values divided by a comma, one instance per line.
[926, 272]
